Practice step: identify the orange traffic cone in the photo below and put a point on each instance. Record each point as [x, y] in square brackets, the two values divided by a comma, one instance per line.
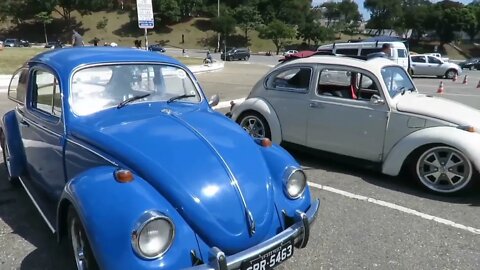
[455, 77]
[465, 80]
[440, 88]
[478, 84]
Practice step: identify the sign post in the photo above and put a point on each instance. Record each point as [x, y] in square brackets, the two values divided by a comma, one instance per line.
[145, 17]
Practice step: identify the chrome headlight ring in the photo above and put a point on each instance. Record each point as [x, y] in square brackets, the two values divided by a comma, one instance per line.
[153, 235]
[294, 182]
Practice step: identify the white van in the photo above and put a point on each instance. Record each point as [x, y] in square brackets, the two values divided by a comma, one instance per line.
[399, 53]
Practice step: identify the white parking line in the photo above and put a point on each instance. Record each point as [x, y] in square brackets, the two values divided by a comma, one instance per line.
[396, 207]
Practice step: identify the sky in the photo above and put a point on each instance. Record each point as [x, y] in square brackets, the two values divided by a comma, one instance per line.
[366, 14]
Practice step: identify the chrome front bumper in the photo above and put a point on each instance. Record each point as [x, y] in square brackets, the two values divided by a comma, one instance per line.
[299, 231]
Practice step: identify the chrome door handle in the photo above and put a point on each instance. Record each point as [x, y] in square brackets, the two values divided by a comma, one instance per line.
[24, 123]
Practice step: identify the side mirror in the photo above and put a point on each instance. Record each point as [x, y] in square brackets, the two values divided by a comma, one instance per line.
[376, 100]
[214, 100]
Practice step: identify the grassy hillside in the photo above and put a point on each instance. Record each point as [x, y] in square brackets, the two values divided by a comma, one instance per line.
[119, 28]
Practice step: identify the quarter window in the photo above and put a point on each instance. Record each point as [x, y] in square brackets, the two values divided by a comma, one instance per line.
[295, 79]
[46, 93]
[18, 86]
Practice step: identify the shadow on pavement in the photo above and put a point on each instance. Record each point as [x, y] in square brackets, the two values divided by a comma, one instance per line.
[29, 231]
[372, 175]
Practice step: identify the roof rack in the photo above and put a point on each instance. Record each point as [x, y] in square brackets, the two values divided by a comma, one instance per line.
[307, 54]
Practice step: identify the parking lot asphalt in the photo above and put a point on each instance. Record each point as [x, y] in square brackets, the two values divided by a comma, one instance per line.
[366, 221]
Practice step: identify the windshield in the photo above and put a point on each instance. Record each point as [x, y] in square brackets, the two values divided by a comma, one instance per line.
[97, 88]
[397, 81]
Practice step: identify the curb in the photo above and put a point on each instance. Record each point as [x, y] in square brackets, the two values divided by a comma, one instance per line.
[5, 79]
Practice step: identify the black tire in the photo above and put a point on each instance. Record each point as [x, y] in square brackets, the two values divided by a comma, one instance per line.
[449, 74]
[78, 242]
[255, 124]
[442, 178]
[6, 161]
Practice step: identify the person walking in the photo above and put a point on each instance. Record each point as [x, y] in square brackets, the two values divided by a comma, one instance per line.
[77, 39]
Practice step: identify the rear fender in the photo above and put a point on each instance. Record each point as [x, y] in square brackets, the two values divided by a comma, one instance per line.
[266, 110]
[466, 142]
[109, 211]
[13, 139]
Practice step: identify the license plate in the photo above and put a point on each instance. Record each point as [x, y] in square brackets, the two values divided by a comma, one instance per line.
[270, 258]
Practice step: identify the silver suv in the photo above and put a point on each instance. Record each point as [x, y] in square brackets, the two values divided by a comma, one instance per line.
[423, 64]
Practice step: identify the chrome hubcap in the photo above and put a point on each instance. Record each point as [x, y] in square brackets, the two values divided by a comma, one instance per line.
[444, 169]
[78, 245]
[450, 74]
[253, 126]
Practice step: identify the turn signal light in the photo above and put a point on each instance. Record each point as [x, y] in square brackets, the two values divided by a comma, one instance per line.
[123, 176]
[265, 142]
[468, 128]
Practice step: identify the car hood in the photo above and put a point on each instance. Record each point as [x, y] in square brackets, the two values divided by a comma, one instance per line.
[439, 108]
[207, 167]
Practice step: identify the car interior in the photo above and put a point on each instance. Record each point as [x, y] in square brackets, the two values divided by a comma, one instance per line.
[346, 84]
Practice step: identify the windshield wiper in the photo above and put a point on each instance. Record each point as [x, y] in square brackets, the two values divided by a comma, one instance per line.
[128, 100]
[179, 97]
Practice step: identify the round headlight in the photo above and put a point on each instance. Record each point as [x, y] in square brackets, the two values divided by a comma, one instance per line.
[295, 182]
[153, 235]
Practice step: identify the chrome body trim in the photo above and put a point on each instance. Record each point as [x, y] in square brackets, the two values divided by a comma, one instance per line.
[146, 218]
[299, 231]
[38, 207]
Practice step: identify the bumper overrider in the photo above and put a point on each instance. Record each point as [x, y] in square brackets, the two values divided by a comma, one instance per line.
[299, 232]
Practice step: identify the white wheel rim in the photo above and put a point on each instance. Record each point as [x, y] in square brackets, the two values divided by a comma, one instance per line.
[444, 169]
[254, 126]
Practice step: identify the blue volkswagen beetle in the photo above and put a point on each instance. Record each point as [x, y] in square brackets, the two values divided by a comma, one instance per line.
[131, 168]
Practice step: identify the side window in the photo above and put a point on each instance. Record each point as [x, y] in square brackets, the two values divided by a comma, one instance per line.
[296, 79]
[419, 59]
[365, 51]
[401, 53]
[46, 93]
[336, 83]
[347, 51]
[434, 60]
[18, 86]
[366, 87]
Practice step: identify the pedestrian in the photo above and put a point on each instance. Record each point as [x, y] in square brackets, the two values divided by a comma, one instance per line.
[77, 39]
[95, 41]
[386, 52]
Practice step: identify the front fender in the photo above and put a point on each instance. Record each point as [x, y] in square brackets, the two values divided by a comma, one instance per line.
[266, 110]
[109, 211]
[278, 161]
[466, 142]
[13, 139]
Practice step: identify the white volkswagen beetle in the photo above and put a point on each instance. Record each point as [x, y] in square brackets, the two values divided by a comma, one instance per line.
[367, 109]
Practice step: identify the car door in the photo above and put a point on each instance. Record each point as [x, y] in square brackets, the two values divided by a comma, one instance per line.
[288, 93]
[347, 114]
[436, 66]
[42, 134]
[420, 65]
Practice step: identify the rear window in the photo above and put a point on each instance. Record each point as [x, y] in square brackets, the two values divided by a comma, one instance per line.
[402, 53]
[347, 51]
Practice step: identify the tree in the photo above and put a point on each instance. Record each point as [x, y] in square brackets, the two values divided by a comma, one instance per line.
[248, 18]
[471, 20]
[415, 13]
[446, 22]
[348, 11]
[384, 14]
[166, 10]
[278, 32]
[225, 25]
[44, 18]
[331, 12]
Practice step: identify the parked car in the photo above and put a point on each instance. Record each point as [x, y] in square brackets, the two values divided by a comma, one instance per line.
[156, 48]
[289, 52]
[429, 65]
[438, 55]
[369, 110]
[472, 63]
[24, 43]
[53, 45]
[128, 163]
[11, 42]
[236, 54]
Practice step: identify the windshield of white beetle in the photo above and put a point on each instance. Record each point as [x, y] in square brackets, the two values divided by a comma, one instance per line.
[397, 80]
[100, 87]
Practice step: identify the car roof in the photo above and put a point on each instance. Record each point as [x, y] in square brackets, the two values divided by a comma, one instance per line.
[65, 60]
[374, 63]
